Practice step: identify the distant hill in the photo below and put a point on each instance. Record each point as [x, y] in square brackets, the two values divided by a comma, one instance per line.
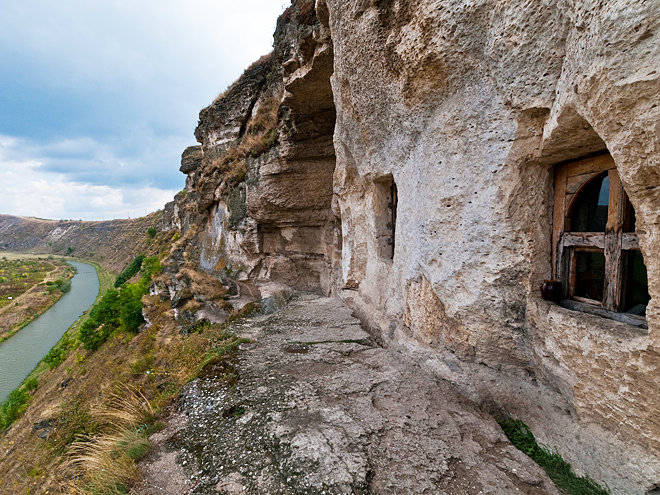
[111, 242]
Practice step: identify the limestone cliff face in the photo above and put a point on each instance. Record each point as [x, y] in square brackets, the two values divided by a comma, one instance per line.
[411, 173]
[259, 188]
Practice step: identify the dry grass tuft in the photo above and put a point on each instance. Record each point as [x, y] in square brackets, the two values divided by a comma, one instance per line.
[108, 460]
[107, 463]
[127, 408]
[203, 284]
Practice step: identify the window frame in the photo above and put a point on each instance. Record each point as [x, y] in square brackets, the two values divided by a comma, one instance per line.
[570, 179]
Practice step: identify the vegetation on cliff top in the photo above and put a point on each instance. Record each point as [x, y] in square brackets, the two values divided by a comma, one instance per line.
[260, 136]
[302, 13]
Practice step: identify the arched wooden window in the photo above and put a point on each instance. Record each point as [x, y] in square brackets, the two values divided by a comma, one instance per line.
[595, 248]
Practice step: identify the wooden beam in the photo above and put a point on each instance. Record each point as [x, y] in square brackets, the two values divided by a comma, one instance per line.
[586, 300]
[584, 239]
[591, 165]
[558, 215]
[572, 272]
[633, 320]
[630, 241]
[574, 183]
[613, 244]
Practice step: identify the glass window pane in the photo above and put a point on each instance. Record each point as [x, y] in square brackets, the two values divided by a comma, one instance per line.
[590, 275]
[637, 288]
[590, 211]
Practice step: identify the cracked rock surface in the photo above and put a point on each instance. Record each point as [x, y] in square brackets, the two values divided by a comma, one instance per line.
[315, 407]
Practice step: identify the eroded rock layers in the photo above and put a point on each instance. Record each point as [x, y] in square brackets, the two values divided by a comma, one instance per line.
[402, 155]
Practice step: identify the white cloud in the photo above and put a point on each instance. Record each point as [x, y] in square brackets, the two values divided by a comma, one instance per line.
[100, 98]
[27, 191]
[58, 199]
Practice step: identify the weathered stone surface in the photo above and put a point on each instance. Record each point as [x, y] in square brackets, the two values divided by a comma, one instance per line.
[467, 107]
[318, 408]
[226, 118]
[191, 159]
[277, 223]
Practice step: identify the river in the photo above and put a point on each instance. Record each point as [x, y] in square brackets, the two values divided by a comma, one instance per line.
[20, 354]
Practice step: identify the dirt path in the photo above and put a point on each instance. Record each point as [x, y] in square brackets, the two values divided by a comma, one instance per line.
[315, 407]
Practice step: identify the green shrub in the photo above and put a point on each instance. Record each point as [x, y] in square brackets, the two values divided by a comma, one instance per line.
[150, 267]
[57, 354]
[151, 232]
[61, 284]
[557, 468]
[118, 309]
[16, 403]
[130, 306]
[13, 408]
[31, 385]
[93, 336]
[64, 285]
[130, 271]
[103, 320]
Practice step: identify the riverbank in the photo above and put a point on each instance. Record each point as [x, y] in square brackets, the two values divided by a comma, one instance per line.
[106, 282]
[49, 280]
[64, 407]
[20, 354]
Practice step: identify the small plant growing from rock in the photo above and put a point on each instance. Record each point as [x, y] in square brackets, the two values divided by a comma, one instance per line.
[557, 468]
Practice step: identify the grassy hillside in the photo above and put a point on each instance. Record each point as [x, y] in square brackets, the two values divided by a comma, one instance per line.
[65, 408]
[56, 403]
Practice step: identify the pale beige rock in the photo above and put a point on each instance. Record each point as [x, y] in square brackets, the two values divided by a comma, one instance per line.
[231, 485]
[468, 106]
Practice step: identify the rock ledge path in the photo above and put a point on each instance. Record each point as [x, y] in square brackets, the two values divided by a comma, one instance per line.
[315, 407]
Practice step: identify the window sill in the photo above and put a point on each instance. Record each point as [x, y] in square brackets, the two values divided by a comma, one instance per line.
[632, 320]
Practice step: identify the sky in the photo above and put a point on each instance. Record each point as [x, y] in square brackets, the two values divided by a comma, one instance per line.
[98, 99]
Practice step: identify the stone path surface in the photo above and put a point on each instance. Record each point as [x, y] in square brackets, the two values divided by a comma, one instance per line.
[315, 407]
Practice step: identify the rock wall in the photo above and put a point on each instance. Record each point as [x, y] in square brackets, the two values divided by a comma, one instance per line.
[401, 155]
[467, 106]
[259, 188]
